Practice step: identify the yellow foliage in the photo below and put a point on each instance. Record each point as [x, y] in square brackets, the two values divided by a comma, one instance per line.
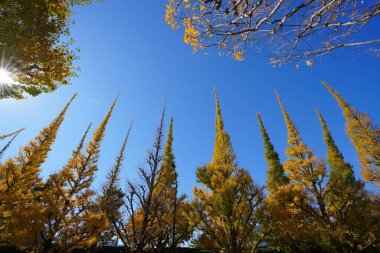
[169, 15]
[365, 137]
[238, 54]
[191, 34]
[229, 200]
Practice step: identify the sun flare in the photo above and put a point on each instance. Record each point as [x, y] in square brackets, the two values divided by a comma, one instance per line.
[5, 77]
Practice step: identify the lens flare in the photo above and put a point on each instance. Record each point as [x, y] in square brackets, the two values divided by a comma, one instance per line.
[5, 77]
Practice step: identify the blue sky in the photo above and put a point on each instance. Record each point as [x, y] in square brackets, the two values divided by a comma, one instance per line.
[126, 46]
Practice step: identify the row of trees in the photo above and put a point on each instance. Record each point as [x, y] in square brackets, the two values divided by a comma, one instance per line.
[312, 205]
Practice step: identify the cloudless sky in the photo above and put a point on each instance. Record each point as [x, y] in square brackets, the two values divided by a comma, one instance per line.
[126, 46]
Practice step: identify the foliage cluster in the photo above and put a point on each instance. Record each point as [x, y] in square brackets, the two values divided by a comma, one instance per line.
[35, 45]
[295, 30]
[312, 205]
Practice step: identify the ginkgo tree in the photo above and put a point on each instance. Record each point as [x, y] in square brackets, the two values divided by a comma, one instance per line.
[21, 188]
[225, 209]
[364, 135]
[72, 217]
[149, 214]
[58, 214]
[36, 46]
[314, 207]
[294, 31]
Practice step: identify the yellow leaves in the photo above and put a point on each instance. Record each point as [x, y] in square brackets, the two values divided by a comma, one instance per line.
[238, 54]
[309, 63]
[365, 137]
[200, 193]
[229, 199]
[39, 46]
[91, 241]
[187, 6]
[191, 34]
[6, 214]
[301, 164]
[169, 15]
[65, 198]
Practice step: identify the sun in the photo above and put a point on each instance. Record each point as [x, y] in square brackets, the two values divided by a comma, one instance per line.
[5, 77]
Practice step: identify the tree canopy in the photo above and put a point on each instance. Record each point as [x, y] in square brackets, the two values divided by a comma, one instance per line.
[294, 30]
[35, 45]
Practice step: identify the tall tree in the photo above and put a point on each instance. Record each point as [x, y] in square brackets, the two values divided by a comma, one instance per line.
[275, 172]
[301, 163]
[225, 210]
[365, 137]
[303, 198]
[152, 203]
[293, 206]
[166, 195]
[134, 212]
[345, 196]
[171, 228]
[235, 27]
[21, 187]
[111, 199]
[274, 211]
[149, 207]
[35, 45]
[72, 217]
[312, 215]
[341, 180]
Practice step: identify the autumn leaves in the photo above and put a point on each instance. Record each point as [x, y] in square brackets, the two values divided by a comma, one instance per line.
[312, 204]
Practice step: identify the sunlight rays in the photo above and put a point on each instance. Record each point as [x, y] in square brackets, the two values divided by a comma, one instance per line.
[8, 78]
[5, 77]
